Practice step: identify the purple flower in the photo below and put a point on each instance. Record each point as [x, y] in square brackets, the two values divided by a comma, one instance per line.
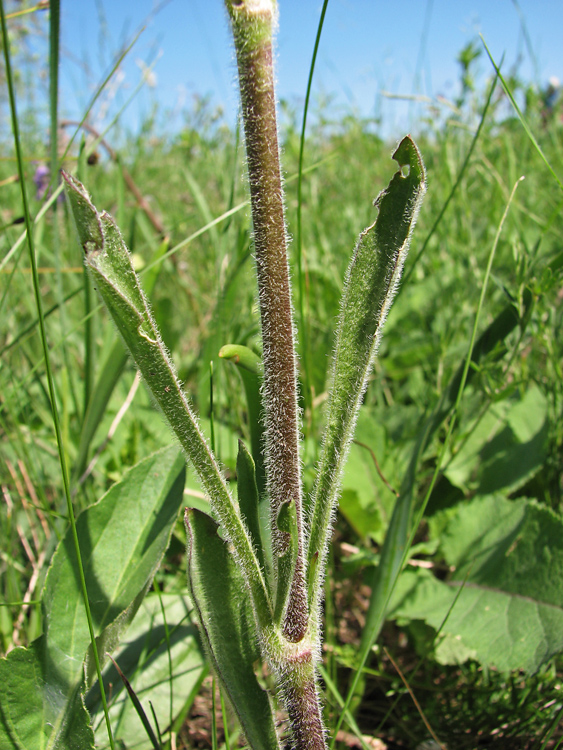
[41, 180]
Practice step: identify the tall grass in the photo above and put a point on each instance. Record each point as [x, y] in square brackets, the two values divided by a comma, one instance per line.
[202, 298]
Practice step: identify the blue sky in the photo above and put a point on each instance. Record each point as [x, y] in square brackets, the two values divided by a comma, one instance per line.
[368, 46]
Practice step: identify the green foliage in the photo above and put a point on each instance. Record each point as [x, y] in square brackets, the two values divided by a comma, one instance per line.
[216, 585]
[494, 513]
[372, 280]
[123, 539]
[502, 604]
[370, 285]
[503, 447]
[161, 656]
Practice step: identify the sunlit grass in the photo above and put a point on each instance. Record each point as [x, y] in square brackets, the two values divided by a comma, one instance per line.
[203, 298]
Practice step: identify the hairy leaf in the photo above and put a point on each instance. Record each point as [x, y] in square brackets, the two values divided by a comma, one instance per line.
[109, 263]
[227, 626]
[369, 288]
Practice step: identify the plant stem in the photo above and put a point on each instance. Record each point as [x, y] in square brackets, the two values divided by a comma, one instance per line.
[301, 698]
[252, 23]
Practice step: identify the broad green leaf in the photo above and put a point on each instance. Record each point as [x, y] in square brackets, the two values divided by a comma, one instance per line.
[34, 713]
[358, 505]
[122, 540]
[505, 448]
[227, 627]
[508, 556]
[163, 671]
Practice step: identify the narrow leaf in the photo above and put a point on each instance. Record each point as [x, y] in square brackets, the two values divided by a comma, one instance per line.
[109, 377]
[228, 630]
[250, 369]
[254, 511]
[138, 707]
[105, 385]
[110, 264]
[369, 288]
[287, 554]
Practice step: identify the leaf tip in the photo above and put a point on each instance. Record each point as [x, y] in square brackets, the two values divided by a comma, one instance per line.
[409, 159]
[86, 217]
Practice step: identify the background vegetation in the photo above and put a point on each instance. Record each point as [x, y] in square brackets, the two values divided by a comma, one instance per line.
[473, 681]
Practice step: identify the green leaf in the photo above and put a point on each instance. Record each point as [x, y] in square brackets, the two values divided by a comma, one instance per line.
[109, 263]
[34, 713]
[508, 556]
[505, 448]
[110, 374]
[358, 506]
[227, 628]
[162, 670]
[250, 369]
[107, 380]
[371, 471]
[244, 357]
[254, 511]
[122, 539]
[369, 288]
[397, 536]
[287, 555]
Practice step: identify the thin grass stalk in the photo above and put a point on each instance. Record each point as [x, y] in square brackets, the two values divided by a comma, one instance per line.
[54, 36]
[48, 370]
[455, 186]
[303, 319]
[521, 117]
[99, 91]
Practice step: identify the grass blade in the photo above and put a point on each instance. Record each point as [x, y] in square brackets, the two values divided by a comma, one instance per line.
[138, 707]
[299, 239]
[43, 333]
[521, 117]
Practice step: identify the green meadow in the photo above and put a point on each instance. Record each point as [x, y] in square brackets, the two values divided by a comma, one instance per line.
[464, 411]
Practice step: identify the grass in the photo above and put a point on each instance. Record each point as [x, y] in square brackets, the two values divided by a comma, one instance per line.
[203, 298]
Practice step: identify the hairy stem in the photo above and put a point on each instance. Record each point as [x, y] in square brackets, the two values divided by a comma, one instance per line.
[303, 705]
[252, 22]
